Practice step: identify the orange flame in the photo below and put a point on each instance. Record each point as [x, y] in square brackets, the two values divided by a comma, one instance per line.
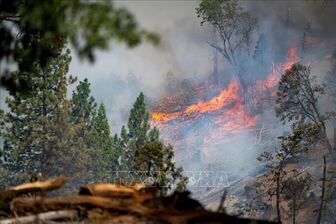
[292, 58]
[226, 96]
[227, 108]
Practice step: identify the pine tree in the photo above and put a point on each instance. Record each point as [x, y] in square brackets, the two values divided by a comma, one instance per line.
[37, 130]
[124, 150]
[154, 159]
[139, 132]
[104, 157]
[83, 111]
[138, 122]
[83, 104]
[145, 153]
[138, 128]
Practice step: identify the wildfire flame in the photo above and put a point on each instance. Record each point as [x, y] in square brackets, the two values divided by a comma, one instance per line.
[231, 93]
[227, 111]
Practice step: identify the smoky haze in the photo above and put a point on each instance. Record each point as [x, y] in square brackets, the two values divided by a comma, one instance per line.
[184, 50]
[120, 74]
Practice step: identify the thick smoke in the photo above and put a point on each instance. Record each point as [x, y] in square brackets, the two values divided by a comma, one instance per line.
[118, 76]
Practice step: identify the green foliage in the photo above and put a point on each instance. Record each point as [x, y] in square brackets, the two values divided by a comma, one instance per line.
[138, 130]
[297, 96]
[37, 131]
[102, 145]
[233, 25]
[142, 151]
[83, 104]
[83, 112]
[301, 139]
[292, 146]
[138, 122]
[4, 182]
[44, 132]
[36, 31]
[297, 103]
[155, 159]
[295, 191]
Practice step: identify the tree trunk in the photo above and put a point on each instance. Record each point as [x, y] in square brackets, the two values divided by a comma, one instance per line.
[319, 217]
[294, 209]
[278, 195]
[334, 138]
[325, 139]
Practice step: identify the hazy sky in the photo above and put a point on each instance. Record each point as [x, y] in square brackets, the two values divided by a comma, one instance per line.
[183, 51]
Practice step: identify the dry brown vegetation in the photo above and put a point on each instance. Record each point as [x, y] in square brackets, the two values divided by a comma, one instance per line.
[103, 203]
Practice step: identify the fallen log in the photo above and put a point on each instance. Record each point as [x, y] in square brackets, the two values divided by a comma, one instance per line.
[66, 215]
[108, 203]
[38, 186]
[110, 190]
[123, 208]
[37, 204]
[139, 192]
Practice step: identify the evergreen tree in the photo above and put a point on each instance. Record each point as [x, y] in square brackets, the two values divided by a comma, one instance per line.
[145, 153]
[138, 122]
[155, 160]
[122, 147]
[83, 111]
[37, 130]
[35, 32]
[139, 131]
[83, 104]
[104, 157]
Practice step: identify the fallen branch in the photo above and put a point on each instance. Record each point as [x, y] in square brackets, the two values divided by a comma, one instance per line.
[38, 204]
[38, 186]
[109, 203]
[110, 190]
[43, 217]
[139, 192]
[124, 208]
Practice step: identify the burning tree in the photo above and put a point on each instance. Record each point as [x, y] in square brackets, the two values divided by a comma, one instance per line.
[297, 102]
